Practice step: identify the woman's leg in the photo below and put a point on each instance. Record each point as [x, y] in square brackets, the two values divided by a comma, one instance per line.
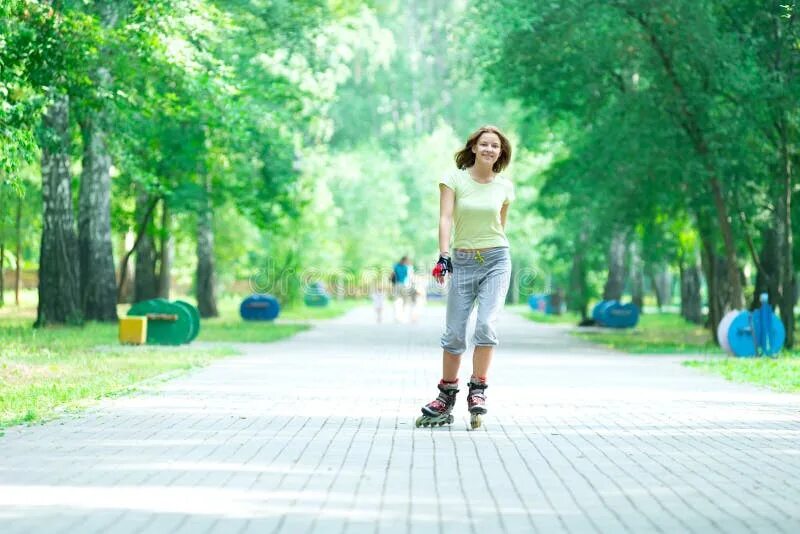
[450, 364]
[460, 301]
[492, 291]
[481, 360]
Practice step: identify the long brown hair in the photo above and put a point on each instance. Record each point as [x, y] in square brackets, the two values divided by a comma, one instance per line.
[466, 158]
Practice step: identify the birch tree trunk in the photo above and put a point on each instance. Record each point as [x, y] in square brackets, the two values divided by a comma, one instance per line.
[59, 281]
[95, 250]
[98, 279]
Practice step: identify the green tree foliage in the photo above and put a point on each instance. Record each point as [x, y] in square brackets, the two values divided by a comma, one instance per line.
[40, 49]
[661, 108]
[314, 132]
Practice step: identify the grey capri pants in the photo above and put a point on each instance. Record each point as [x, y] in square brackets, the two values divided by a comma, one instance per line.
[477, 276]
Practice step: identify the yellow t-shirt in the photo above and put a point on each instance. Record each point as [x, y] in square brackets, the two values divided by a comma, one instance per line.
[476, 216]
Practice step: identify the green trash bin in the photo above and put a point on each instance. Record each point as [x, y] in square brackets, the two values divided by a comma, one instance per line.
[195, 315]
[167, 323]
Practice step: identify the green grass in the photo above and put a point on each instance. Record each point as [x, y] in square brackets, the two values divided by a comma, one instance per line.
[63, 367]
[656, 333]
[668, 333]
[237, 330]
[539, 317]
[780, 374]
[43, 371]
[335, 308]
[229, 326]
[228, 307]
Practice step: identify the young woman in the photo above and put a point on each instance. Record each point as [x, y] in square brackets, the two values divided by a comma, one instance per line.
[473, 203]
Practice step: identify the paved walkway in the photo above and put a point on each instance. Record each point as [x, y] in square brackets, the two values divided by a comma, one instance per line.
[316, 434]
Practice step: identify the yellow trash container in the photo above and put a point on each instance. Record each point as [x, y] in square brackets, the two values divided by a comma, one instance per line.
[133, 330]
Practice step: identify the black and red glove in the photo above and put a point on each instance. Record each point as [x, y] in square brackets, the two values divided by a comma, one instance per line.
[443, 266]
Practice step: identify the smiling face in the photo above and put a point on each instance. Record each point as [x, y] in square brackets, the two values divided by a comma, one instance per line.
[487, 149]
[487, 146]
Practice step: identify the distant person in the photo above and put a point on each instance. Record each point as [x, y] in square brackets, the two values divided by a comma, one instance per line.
[418, 297]
[378, 299]
[402, 280]
[473, 201]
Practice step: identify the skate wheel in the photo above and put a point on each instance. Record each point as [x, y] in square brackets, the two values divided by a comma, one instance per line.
[475, 421]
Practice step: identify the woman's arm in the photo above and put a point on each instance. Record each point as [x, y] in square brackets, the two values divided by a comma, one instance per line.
[504, 214]
[447, 200]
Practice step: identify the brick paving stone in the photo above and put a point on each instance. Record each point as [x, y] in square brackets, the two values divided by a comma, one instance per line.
[315, 434]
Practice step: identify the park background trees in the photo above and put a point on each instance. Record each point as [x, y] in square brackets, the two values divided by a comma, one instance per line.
[679, 129]
[217, 147]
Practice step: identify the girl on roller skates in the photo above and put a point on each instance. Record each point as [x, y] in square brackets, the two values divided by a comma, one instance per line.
[473, 203]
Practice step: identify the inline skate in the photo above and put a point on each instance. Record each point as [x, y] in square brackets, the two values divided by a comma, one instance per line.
[437, 412]
[476, 402]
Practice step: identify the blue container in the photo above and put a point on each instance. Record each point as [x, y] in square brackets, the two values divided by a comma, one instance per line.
[755, 333]
[259, 308]
[617, 315]
[316, 295]
[612, 314]
[541, 303]
[599, 309]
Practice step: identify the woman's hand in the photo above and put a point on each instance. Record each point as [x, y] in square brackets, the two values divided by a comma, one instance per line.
[443, 266]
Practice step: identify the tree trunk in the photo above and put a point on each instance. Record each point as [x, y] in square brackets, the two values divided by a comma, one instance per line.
[578, 291]
[691, 303]
[768, 274]
[167, 252]
[714, 313]
[637, 276]
[661, 280]
[786, 243]
[125, 283]
[98, 279]
[96, 251]
[145, 282]
[19, 251]
[557, 300]
[206, 279]
[59, 280]
[720, 295]
[615, 283]
[735, 298]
